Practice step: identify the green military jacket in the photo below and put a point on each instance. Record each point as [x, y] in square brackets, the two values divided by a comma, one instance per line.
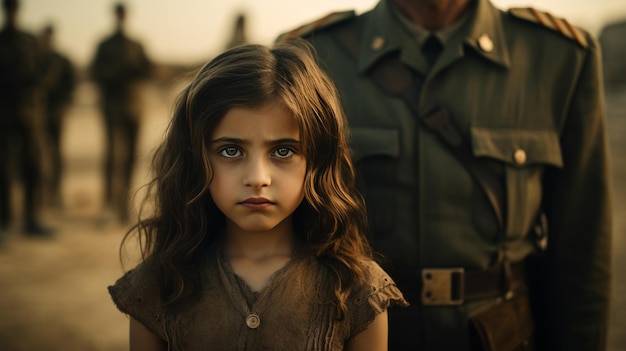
[529, 99]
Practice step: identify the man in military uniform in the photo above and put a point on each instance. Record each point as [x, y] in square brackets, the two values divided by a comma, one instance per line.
[480, 143]
[119, 66]
[20, 67]
[58, 83]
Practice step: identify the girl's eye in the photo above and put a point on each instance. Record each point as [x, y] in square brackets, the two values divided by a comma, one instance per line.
[230, 152]
[283, 152]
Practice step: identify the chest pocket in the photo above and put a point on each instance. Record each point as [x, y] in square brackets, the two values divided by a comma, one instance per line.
[376, 151]
[525, 154]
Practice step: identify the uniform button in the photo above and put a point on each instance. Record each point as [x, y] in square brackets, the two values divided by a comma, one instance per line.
[485, 43]
[378, 43]
[519, 156]
[253, 321]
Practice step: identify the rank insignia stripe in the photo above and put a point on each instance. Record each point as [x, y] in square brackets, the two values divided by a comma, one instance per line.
[546, 19]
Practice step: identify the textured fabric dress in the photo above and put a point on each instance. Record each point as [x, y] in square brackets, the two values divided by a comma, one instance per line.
[293, 312]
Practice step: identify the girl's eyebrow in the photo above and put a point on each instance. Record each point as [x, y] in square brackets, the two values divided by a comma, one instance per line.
[284, 141]
[225, 139]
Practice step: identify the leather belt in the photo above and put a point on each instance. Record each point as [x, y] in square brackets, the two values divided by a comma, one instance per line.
[454, 286]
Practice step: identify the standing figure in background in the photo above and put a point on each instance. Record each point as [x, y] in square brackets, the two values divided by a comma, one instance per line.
[611, 39]
[119, 67]
[480, 142]
[58, 83]
[239, 35]
[20, 70]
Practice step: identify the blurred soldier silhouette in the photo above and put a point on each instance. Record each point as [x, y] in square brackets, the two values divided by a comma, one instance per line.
[58, 82]
[119, 66]
[614, 54]
[20, 68]
[240, 33]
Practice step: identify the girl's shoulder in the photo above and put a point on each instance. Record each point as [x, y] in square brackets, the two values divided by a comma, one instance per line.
[138, 294]
[378, 288]
[377, 293]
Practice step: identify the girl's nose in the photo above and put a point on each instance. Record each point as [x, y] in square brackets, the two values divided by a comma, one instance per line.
[258, 174]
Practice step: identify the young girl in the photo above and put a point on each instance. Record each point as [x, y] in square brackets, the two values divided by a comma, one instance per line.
[256, 242]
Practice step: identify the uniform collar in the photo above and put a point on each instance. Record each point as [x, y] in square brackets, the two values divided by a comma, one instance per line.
[486, 32]
[382, 34]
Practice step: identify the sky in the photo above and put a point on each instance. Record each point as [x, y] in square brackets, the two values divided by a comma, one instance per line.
[188, 31]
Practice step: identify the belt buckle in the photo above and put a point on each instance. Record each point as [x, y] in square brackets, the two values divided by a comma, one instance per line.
[442, 286]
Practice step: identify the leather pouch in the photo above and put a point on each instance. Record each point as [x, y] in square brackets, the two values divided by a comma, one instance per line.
[504, 326]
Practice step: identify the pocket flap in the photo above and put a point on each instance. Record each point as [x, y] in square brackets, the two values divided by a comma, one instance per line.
[367, 142]
[518, 147]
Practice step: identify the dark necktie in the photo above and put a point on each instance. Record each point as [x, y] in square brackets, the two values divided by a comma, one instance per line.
[432, 48]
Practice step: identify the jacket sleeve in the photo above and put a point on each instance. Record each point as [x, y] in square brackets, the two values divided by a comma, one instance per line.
[576, 269]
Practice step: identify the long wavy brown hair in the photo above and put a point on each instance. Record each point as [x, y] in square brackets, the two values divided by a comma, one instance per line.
[185, 223]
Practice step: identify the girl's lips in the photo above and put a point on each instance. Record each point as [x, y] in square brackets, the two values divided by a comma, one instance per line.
[256, 203]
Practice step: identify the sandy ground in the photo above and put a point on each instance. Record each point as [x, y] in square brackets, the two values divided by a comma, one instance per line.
[53, 292]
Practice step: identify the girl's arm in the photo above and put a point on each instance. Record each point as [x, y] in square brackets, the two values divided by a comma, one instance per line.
[141, 339]
[374, 338]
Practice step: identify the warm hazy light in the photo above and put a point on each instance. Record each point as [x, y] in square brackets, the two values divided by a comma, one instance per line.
[191, 30]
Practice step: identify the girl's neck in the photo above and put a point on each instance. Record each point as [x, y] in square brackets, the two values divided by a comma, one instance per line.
[258, 245]
[256, 256]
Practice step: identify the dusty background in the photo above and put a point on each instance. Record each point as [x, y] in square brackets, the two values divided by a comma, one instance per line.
[53, 291]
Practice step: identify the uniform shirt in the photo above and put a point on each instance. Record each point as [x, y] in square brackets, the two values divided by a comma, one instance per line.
[20, 60]
[291, 313]
[420, 34]
[118, 67]
[528, 96]
[58, 81]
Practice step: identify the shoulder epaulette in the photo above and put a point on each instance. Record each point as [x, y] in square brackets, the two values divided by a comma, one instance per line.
[323, 22]
[546, 19]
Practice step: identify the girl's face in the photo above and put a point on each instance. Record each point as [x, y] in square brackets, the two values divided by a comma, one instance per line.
[258, 168]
